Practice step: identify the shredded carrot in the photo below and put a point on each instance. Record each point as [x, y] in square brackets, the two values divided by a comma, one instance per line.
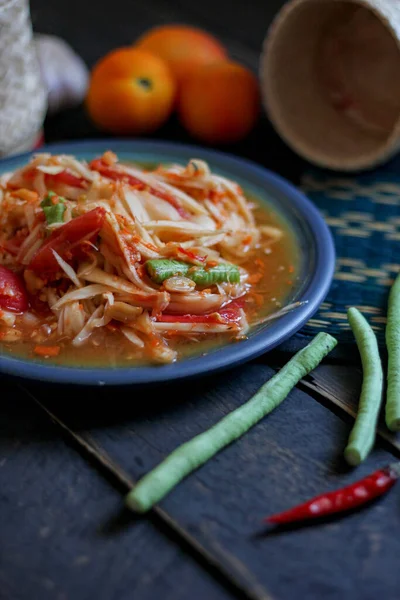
[141, 270]
[211, 263]
[110, 158]
[215, 196]
[154, 342]
[255, 278]
[247, 240]
[291, 269]
[25, 194]
[258, 299]
[173, 333]
[173, 176]
[259, 263]
[47, 350]
[239, 189]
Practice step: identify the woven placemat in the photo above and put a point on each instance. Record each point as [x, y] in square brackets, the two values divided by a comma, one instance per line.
[363, 213]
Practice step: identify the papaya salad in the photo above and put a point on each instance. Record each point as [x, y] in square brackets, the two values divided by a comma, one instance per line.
[102, 258]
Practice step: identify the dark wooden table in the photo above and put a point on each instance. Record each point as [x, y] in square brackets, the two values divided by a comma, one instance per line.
[67, 456]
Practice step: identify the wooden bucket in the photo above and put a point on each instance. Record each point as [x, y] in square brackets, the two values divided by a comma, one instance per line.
[330, 78]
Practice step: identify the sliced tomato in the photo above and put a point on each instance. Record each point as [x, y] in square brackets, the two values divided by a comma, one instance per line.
[66, 178]
[231, 312]
[115, 173]
[211, 318]
[118, 174]
[13, 295]
[228, 314]
[67, 241]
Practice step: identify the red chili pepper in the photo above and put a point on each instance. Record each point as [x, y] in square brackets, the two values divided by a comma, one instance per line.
[351, 496]
[118, 174]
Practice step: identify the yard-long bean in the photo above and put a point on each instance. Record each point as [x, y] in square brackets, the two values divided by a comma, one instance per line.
[188, 457]
[362, 436]
[160, 269]
[393, 348]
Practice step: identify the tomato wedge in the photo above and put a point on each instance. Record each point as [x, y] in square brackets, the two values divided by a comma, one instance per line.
[13, 295]
[66, 178]
[231, 312]
[67, 240]
[118, 174]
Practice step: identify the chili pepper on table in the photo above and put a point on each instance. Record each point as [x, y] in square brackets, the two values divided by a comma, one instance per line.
[356, 494]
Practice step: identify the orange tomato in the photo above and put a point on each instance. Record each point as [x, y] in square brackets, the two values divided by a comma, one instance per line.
[184, 48]
[219, 103]
[130, 92]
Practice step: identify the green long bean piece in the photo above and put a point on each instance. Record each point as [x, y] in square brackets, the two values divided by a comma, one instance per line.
[393, 348]
[221, 273]
[362, 436]
[160, 269]
[53, 212]
[188, 457]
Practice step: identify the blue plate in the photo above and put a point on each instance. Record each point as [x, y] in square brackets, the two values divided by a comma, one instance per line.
[313, 239]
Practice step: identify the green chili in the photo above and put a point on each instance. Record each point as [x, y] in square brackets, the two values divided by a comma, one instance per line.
[393, 348]
[362, 436]
[53, 208]
[188, 457]
[161, 269]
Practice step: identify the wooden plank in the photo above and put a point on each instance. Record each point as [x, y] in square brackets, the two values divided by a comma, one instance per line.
[62, 533]
[294, 453]
[234, 573]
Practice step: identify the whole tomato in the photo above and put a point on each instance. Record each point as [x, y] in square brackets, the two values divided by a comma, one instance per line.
[183, 47]
[131, 92]
[219, 103]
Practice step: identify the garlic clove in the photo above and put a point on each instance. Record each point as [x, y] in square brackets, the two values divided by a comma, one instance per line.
[64, 73]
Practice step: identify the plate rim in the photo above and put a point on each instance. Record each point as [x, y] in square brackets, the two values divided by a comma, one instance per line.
[222, 358]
